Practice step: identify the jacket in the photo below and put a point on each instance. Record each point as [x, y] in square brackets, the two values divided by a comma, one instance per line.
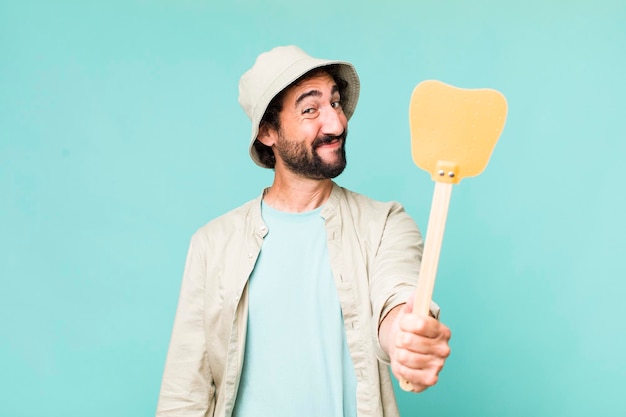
[374, 250]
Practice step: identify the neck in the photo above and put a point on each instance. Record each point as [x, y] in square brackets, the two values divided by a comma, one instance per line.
[295, 194]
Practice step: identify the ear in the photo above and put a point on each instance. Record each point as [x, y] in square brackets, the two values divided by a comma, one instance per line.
[267, 135]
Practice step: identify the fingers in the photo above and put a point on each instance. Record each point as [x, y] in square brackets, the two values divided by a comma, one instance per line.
[414, 360]
[424, 326]
[420, 350]
[420, 378]
[414, 343]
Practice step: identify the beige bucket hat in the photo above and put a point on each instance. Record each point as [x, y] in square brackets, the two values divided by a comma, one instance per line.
[275, 70]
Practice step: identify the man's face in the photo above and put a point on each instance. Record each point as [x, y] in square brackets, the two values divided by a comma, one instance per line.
[313, 128]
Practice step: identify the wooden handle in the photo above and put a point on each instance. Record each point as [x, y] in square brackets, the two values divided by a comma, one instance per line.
[430, 258]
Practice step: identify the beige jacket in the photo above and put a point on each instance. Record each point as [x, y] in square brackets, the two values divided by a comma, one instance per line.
[374, 249]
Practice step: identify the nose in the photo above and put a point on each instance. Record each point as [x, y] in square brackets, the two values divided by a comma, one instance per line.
[334, 121]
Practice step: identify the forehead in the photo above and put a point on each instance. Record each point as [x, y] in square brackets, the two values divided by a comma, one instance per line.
[323, 83]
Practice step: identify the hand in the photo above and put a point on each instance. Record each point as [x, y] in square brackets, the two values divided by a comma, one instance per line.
[417, 346]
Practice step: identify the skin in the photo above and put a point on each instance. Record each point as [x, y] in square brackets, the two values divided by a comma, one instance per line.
[417, 347]
[310, 110]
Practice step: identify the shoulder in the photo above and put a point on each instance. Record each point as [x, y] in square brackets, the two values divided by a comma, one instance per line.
[228, 224]
[363, 203]
[369, 216]
[380, 224]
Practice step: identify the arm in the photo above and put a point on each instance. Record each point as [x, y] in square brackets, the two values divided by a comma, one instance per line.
[187, 387]
[417, 346]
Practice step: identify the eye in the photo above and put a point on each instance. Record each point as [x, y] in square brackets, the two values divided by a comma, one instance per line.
[336, 104]
[308, 110]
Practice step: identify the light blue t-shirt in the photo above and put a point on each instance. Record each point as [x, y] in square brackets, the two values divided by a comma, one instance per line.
[296, 359]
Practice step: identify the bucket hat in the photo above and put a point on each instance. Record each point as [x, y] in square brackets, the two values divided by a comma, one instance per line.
[275, 70]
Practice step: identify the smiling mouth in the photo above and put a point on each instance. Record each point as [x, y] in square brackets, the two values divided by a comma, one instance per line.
[327, 140]
[330, 142]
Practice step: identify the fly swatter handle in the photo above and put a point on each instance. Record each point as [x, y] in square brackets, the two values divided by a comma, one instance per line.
[430, 259]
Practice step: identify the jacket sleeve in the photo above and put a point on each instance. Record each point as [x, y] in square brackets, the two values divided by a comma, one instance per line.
[187, 388]
[395, 269]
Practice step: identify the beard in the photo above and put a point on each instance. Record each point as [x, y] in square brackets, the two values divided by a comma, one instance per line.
[306, 162]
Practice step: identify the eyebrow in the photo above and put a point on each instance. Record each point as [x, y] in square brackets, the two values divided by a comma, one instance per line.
[315, 93]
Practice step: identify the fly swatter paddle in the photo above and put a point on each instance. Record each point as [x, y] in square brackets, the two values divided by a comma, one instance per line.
[453, 132]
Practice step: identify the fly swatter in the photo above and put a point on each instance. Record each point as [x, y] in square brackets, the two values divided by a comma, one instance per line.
[453, 133]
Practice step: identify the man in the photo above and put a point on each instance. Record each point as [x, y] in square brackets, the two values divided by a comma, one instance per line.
[295, 303]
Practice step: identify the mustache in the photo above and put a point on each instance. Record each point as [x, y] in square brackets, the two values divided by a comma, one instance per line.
[323, 140]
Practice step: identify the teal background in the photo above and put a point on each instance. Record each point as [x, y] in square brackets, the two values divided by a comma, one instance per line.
[120, 135]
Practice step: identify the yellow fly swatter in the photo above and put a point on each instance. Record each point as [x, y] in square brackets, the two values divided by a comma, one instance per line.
[453, 133]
